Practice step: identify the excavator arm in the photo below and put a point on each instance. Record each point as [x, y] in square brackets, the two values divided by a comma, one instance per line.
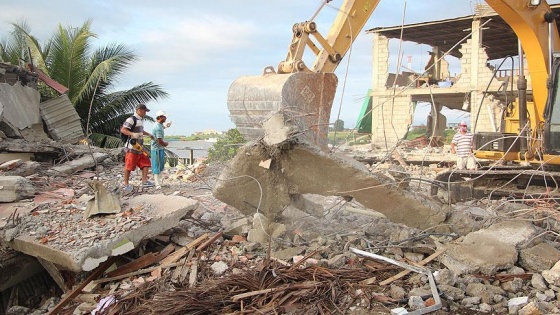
[351, 18]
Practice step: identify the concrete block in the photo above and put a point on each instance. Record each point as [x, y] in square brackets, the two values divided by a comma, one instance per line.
[14, 188]
[538, 258]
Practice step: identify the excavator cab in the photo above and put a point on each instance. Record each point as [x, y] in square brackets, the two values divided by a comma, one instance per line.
[296, 99]
[552, 111]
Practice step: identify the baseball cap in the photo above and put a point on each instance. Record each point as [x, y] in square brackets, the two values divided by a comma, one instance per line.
[462, 123]
[142, 106]
[161, 113]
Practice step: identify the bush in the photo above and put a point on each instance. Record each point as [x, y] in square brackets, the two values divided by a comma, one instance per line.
[226, 146]
[338, 125]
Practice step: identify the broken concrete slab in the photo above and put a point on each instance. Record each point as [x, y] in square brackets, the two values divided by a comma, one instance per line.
[6, 157]
[489, 250]
[66, 239]
[24, 169]
[552, 276]
[22, 146]
[539, 257]
[80, 164]
[263, 230]
[304, 169]
[14, 188]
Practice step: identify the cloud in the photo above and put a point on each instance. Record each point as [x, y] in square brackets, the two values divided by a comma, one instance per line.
[196, 49]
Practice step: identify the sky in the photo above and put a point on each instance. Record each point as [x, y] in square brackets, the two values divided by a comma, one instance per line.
[196, 49]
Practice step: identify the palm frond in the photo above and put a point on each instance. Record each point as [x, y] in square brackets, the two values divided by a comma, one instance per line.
[105, 141]
[68, 56]
[106, 64]
[24, 41]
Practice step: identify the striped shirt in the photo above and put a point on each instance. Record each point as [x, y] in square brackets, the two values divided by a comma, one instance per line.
[139, 128]
[463, 143]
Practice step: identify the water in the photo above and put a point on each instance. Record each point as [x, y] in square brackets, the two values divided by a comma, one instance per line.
[183, 148]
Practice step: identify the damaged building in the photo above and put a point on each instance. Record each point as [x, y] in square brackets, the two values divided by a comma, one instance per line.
[479, 43]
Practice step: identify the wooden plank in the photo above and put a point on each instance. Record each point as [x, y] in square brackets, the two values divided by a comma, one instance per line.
[208, 242]
[135, 273]
[178, 254]
[142, 262]
[177, 272]
[96, 274]
[194, 271]
[369, 281]
[185, 269]
[405, 272]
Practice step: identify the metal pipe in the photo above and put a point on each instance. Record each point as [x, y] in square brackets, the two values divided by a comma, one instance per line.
[319, 9]
[522, 100]
[423, 270]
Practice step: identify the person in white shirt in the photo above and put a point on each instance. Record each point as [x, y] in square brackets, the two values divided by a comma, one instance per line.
[462, 145]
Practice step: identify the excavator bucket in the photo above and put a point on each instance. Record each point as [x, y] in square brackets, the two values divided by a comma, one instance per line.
[302, 99]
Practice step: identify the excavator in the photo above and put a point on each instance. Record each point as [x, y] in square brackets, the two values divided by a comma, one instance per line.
[303, 96]
[527, 148]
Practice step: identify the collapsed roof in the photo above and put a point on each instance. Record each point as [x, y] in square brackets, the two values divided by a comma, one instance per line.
[499, 40]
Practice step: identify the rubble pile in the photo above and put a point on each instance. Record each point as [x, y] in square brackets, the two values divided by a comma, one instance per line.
[205, 256]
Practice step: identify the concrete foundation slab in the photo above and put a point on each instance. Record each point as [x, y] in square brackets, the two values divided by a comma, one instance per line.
[63, 237]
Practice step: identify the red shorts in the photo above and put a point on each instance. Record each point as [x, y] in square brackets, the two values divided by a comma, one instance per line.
[131, 161]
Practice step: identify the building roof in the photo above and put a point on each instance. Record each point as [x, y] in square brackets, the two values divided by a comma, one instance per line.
[498, 39]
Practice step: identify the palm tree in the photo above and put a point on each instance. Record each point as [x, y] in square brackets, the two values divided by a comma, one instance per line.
[89, 75]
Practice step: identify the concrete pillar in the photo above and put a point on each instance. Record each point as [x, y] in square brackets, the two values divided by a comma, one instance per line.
[380, 61]
[439, 121]
[476, 40]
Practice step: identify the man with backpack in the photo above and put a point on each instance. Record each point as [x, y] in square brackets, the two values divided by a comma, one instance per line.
[133, 128]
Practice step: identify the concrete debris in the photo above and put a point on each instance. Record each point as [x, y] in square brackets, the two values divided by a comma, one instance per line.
[23, 169]
[85, 244]
[19, 112]
[180, 241]
[22, 115]
[489, 250]
[539, 257]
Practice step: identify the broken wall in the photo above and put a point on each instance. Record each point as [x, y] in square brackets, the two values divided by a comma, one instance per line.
[474, 91]
[475, 75]
[391, 116]
[19, 112]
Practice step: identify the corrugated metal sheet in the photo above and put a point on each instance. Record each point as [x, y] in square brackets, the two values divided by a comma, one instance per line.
[62, 120]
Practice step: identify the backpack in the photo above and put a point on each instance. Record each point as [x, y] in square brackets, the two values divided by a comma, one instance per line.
[124, 138]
